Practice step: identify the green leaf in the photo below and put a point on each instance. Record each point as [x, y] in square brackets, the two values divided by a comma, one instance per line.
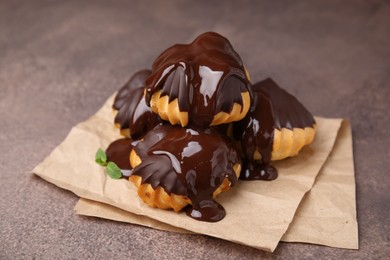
[101, 157]
[113, 171]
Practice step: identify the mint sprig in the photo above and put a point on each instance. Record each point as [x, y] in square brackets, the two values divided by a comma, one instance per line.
[113, 170]
[101, 157]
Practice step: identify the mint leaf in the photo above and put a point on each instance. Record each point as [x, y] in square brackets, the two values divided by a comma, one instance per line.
[101, 157]
[113, 171]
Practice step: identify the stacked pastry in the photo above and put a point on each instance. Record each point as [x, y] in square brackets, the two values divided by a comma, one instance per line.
[180, 119]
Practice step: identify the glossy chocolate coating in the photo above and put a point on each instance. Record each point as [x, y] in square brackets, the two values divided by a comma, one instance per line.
[119, 153]
[188, 162]
[206, 76]
[133, 113]
[272, 108]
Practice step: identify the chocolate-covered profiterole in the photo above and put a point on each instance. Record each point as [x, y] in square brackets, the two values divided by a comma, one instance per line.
[206, 76]
[202, 86]
[272, 108]
[133, 113]
[188, 162]
[119, 153]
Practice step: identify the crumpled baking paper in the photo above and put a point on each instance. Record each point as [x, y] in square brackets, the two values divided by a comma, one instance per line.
[258, 212]
[326, 215]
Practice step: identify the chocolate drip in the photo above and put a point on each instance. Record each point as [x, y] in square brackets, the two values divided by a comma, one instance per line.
[188, 162]
[119, 153]
[206, 76]
[273, 108]
[133, 113]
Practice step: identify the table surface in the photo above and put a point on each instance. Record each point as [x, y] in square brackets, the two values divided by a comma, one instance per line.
[60, 60]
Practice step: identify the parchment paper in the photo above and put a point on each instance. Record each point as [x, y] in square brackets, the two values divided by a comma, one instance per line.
[326, 215]
[258, 213]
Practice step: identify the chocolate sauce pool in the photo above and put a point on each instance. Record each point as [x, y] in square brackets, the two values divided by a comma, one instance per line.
[206, 76]
[119, 153]
[272, 108]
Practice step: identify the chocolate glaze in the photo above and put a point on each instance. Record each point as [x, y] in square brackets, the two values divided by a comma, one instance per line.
[133, 113]
[206, 76]
[188, 162]
[272, 108]
[119, 153]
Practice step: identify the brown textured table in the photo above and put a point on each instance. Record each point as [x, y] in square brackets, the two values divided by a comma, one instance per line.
[59, 61]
